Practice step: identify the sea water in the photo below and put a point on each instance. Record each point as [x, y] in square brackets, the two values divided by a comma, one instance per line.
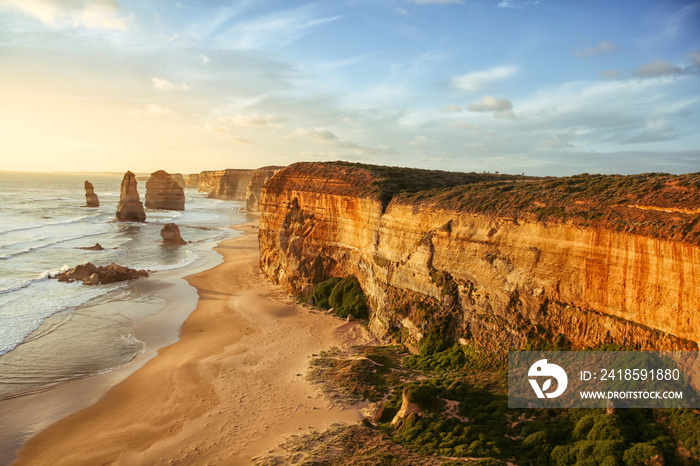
[43, 222]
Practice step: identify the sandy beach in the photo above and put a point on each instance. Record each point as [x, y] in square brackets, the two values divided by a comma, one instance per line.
[229, 390]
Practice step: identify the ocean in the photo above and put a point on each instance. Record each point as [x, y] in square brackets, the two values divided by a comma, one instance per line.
[51, 332]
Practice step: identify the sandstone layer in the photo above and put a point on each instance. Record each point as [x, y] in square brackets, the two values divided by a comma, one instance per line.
[228, 184]
[162, 192]
[254, 189]
[477, 264]
[171, 234]
[130, 208]
[91, 199]
[179, 179]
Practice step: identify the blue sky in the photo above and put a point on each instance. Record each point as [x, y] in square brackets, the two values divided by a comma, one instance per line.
[541, 87]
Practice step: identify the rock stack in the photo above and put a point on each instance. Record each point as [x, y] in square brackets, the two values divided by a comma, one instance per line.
[162, 192]
[90, 196]
[130, 208]
[171, 234]
[179, 179]
[253, 191]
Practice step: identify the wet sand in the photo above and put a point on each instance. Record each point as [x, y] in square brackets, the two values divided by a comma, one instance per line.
[230, 389]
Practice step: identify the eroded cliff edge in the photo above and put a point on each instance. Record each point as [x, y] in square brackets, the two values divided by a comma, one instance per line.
[503, 261]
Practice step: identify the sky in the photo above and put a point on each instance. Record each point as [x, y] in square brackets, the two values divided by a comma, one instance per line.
[541, 87]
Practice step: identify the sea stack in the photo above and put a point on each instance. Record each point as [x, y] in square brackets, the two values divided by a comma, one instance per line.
[258, 179]
[130, 208]
[90, 196]
[171, 234]
[162, 192]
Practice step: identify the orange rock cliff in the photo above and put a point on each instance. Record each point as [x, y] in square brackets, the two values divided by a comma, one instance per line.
[504, 261]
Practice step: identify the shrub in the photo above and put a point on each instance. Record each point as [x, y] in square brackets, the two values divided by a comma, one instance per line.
[344, 295]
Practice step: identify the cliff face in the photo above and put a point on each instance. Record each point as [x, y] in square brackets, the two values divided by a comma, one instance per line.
[192, 180]
[91, 199]
[254, 189]
[480, 273]
[163, 192]
[179, 179]
[225, 184]
[130, 208]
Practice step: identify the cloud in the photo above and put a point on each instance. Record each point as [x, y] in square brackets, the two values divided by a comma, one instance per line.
[602, 48]
[695, 57]
[203, 58]
[501, 108]
[421, 141]
[252, 120]
[452, 109]
[657, 68]
[473, 82]
[329, 138]
[609, 74]
[164, 85]
[516, 4]
[89, 14]
[214, 128]
[152, 110]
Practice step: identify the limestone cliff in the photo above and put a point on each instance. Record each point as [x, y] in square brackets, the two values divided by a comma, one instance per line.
[499, 260]
[225, 184]
[91, 199]
[130, 208]
[163, 192]
[192, 180]
[257, 180]
[179, 179]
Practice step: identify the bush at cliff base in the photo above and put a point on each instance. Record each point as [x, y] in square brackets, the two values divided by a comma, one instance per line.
[343, 295]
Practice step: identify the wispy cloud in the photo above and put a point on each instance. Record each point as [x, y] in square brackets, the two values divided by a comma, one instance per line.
[203, 58]
[516, 3]
[501, 108]
[479, 80]
[89, 14]
[657, 68]
[252, 120]
[328, 138]
[602, 48]
[152, 110]
[164, 85]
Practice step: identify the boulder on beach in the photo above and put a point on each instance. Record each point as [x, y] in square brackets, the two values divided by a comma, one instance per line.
[130, 208]
[171, 234]
[90, 274]
[91, 199]
[163, 192]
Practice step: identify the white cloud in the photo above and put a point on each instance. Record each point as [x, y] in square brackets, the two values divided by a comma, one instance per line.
[473, 82]
[203, 58]
[152, 110]
[252, 120]
[453, 108]
[328, 138]
[421, 141]
[516, 4]
[164, 85]
[89, 14]
[657, 68]
[602, 48]
[501, 108]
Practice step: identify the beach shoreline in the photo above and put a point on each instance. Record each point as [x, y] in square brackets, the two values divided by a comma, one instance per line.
[230, 389]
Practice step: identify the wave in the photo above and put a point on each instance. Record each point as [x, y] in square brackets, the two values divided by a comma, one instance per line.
[45, 245]
[45, 275]
[49, 224]
[189, 259]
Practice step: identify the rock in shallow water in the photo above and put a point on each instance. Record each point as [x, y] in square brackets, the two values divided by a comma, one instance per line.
[171, 234]
[91, 199]
[130, 208]
[90, 274]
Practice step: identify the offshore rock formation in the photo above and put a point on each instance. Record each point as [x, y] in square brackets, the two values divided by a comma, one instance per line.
[162, 192]
[192, 180]
[90, 274]
[228, 184]
[179, 179]
[257, 180]
[130, 208]
[171, 234]
[504, 262]
[91, 199]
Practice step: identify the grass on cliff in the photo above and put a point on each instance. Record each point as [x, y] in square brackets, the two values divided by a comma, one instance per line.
[343, 295]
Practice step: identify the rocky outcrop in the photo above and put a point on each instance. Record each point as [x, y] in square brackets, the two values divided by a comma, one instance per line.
[162, 192]
[257, 180]
[228, 184]
[407, 408]
[179, 179]
[502, 262]
[96, 247]
[192, 180]
[130, 208]
[90, 274]
[171, 234]
[91, 199]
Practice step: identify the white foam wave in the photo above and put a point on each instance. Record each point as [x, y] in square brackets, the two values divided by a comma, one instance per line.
[45, 245]
[189, 259]
[49, 224]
